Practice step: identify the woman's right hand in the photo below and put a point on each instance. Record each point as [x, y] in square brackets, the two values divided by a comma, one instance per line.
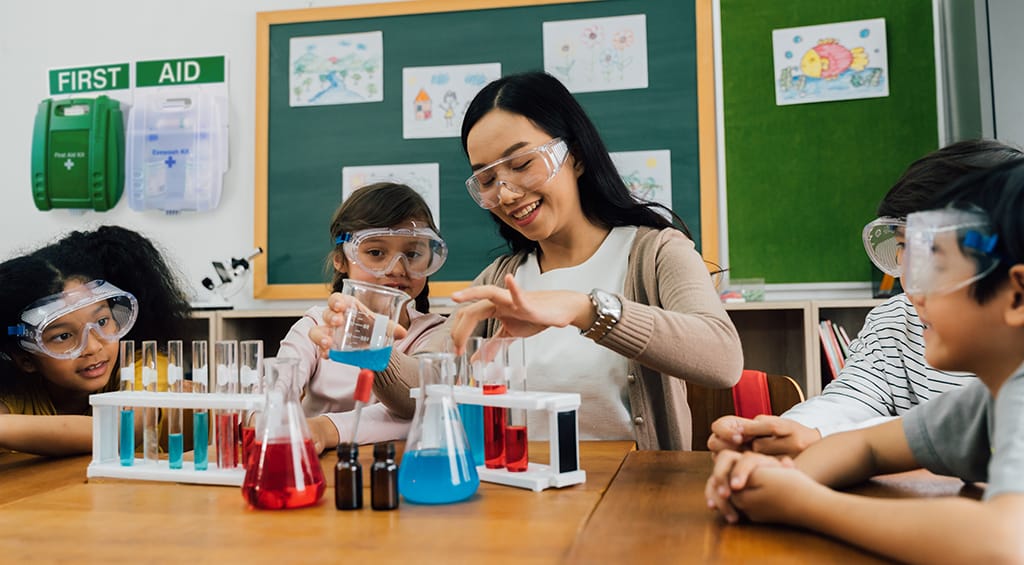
[334, 317]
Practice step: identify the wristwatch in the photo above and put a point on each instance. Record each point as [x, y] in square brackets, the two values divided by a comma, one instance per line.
[608, 308]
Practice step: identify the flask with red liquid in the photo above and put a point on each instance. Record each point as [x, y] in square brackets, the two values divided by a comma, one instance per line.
[285, 472]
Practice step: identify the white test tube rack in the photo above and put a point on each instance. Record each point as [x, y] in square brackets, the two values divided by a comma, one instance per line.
[563, 468]
[105, 421]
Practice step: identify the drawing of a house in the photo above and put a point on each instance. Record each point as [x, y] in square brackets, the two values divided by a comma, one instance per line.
[422, 105]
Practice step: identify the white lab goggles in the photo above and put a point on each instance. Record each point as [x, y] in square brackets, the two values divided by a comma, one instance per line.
[60, 325]
[883, 240]
[947, 250]
[378, 250]
[521, 173]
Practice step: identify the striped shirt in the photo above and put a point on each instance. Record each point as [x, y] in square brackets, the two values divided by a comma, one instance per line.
[884, 377]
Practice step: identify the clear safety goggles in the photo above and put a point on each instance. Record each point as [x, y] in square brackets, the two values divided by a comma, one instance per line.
[947, 250]
[378, 250]
[884, 241]
[60, 325]
[521, 173]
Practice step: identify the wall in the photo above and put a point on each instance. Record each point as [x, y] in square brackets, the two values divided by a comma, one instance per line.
[37, 35]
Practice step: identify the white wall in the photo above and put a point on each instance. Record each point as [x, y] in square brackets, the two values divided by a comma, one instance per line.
[37, 35]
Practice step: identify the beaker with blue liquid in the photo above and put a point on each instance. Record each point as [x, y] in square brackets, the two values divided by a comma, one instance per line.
[364, 339]
[437, 467]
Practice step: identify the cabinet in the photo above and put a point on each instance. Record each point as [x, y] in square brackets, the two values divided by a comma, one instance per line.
[778, 337]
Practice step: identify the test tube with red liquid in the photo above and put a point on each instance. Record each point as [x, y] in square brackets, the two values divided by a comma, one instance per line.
[494, 416]
[516, 450]
[250, 378]
[226, 360]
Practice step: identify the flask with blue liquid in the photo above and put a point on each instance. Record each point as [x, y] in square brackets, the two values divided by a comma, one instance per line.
[437, 467]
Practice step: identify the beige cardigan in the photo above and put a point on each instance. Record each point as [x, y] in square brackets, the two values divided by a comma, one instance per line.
[673, 328]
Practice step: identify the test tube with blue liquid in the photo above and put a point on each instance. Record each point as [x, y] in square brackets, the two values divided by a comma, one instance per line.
[470, 366]
[225, 356]
[126, 447]
[200, 416]
[175, 383]
[150, 421]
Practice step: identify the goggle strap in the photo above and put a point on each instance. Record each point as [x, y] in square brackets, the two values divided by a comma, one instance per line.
[18, 330]
[343, 238]
[975, 240]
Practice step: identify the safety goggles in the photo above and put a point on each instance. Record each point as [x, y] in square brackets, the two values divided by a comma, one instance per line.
[521, 173]
[378, 250]
[947, 250]
[884, 241]
[59, 325]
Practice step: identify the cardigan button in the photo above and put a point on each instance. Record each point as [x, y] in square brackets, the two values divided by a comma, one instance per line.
[631, 378]
[639, 421]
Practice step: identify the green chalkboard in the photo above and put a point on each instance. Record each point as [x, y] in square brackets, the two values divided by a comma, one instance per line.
[300, 151]
[802, 180]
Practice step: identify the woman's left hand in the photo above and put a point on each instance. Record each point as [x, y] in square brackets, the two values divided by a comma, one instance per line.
[521, 313]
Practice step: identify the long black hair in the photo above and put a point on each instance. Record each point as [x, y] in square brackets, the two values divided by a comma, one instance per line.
[378, 205]
[546, 102]
[999, 192]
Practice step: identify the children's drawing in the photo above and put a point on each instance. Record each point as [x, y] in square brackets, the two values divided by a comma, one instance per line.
[336, 69]
[424, 178]
[647, 174]
[597, 54]
[839, 61]
[434, 99]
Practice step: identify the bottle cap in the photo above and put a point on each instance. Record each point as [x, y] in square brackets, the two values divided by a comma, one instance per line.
[348, 450]
[384, 450]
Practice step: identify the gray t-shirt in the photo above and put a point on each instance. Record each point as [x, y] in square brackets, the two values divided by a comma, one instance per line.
[968, 434]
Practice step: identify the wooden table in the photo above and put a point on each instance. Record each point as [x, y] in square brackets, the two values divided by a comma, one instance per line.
[114, 520]
[655, 512]
[636, 507]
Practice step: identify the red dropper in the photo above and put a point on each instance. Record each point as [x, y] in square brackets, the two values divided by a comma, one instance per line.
[364, 384]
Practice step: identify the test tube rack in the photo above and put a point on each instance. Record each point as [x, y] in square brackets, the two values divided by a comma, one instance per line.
[563, 468]
[106, 463]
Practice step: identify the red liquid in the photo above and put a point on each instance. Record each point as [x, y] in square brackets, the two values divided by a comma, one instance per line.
[516, 450]
[494, 430]
[227, 440]
[270, 481]
[248, 445]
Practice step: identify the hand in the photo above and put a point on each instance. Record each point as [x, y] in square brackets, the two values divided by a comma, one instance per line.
[334, 317]
[770, 435]
[778, 495]
[323, 432]
[730, 475]
[520, 312]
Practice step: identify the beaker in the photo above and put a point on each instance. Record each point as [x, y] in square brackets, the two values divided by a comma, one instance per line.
[437, 467]
[285, 472]
[364, 339]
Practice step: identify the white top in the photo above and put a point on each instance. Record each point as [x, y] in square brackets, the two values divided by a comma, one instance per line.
[562, 360]
[329, 386]
[885, 376]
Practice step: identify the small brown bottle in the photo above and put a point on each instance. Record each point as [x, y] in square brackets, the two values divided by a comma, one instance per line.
[348, 478]
[384, 478]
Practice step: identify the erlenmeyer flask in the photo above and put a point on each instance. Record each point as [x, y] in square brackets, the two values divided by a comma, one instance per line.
[437, 467]
[286, 471]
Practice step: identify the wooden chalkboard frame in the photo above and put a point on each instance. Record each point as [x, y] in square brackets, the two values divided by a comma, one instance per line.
[706, 159]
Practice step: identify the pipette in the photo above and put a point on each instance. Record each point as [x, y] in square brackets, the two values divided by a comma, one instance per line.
[364, 383]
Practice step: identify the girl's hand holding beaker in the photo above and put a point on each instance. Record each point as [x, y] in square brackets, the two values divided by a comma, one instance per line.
[368, 329]
[334, 317]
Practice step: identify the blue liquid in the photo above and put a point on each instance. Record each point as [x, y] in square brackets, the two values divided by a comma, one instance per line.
[127, 448]
[372, 359]
[426, 477]
[473, 420]
[200, 438]
[175, 447]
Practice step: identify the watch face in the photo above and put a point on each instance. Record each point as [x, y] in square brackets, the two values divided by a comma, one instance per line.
[609, 303]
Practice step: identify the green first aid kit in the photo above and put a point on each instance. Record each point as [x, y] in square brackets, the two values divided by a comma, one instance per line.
[78, 154]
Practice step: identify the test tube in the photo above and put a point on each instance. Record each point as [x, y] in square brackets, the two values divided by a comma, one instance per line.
[225, 354]
[127, 428]
[472, 415]
[494, 382]
[150, 423]
[250, 379]
[175, 432]
[516, 447]
[200, 416]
